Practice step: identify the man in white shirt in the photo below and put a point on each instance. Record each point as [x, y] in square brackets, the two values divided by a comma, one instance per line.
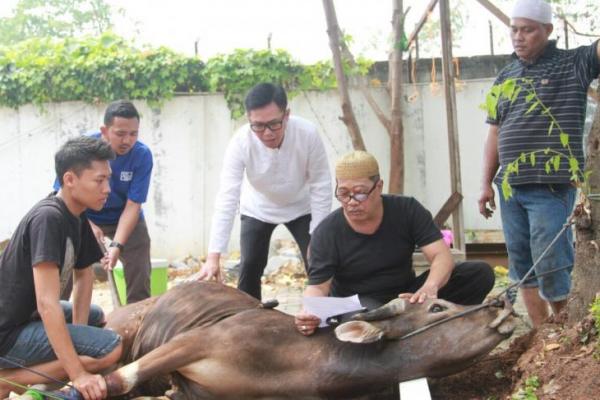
[287, 182]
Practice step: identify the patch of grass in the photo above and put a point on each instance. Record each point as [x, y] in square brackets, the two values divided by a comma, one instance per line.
[528, 392]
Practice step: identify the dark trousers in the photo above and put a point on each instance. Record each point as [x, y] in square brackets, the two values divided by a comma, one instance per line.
[136, 260]
[255, 238]
[469, 283]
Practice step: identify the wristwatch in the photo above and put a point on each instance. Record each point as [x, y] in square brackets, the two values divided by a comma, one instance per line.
[116, 244]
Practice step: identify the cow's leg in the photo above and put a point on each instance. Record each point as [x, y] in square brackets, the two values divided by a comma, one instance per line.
[179, 351]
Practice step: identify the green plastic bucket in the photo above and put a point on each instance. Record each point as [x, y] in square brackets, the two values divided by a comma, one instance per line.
[158, 279]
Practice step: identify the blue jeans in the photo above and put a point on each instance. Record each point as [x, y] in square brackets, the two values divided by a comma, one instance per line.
[32, 346]
[531, 219]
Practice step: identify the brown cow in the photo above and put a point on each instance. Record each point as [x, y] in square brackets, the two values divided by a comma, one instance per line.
[215, 342]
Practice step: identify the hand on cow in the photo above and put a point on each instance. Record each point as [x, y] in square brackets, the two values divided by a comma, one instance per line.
[211, 270]
[91, 387]
[424, 293]
[487, 196]
[306, 323]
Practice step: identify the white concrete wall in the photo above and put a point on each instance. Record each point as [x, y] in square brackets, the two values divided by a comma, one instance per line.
[188, 136]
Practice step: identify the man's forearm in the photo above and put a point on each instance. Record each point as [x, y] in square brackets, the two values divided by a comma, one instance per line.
[82, 295]
[127, 222]
[318, 290]
[440, 271]
[60, 339]
[441, 264]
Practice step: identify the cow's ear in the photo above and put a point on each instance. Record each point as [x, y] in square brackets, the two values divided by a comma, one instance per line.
[358, 332]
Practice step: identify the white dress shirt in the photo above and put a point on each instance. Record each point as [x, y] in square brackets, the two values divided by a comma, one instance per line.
[279, 185]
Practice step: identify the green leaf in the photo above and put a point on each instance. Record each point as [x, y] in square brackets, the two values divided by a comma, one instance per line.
[532, 158]
[547, 150]
[508, 88]
[547, 167]
[506, 188]
[556, 162]
[532, 107]
[529, 97]
[515, 94]
[564, 139]
[550, 128]
[573, 165]
[523, 158]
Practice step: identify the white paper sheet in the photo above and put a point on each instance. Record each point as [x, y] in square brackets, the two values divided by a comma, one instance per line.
[325, 307]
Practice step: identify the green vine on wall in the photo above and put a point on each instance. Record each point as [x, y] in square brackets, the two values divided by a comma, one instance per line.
[93, 70]
[235, 73]
[510, 90]
[104, 68]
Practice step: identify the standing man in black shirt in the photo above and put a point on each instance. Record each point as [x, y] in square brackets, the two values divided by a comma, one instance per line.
[52, 242]
[366, 246]
[541, 202]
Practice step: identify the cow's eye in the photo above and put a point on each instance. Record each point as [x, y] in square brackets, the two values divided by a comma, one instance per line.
[435, 308]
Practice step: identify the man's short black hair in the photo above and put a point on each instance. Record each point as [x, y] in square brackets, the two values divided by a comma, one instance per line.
[263, 94]
[120, 108]
[77, 154]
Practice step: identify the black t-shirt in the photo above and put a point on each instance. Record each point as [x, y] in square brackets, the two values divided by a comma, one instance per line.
[377, 265]
[48, 233]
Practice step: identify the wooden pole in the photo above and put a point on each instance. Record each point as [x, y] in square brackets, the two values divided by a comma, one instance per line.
[348, 117]
[566, 30]
[491, 38]
[396, 184]
[450, 96]
[496, 11]
[415, 33]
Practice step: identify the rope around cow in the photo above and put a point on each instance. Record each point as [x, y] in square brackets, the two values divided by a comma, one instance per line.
[497, 300]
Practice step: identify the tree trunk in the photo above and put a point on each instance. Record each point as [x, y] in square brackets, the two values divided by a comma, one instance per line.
[586, 272]
[396, 184]
[348, 117]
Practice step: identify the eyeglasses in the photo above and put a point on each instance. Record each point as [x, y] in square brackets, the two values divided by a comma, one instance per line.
[259, 127]
[359, 197]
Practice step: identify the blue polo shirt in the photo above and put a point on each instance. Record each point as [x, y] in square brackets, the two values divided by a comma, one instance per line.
[130, 179]
[561, 79]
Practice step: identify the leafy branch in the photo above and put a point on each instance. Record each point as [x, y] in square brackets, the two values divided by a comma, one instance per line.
[104, 68]
[510, 90]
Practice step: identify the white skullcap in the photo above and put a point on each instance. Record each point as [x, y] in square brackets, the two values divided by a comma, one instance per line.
[536, 10]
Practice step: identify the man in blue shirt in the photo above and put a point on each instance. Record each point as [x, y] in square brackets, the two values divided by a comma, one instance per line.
[122, 218]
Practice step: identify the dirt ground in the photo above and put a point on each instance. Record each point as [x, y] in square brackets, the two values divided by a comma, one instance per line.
[552, 363]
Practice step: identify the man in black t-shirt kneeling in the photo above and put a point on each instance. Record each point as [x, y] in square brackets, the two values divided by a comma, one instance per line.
[51, 243]
[366, 247]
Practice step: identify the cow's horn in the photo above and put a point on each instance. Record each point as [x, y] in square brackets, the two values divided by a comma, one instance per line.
[388, 310]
